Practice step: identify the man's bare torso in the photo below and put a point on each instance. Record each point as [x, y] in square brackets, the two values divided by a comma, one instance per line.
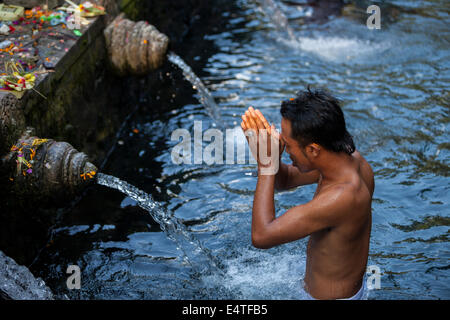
[337, 257]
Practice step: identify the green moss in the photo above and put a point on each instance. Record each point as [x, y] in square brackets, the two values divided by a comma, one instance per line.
[132, 8]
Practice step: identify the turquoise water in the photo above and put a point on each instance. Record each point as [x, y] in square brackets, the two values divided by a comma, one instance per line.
[393, 84]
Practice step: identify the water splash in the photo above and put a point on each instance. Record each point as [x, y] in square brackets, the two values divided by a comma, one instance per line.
[337, 49]
[330, 48]
[200, 258]
[206, 98]
[18, 283]
[277, 17]
[275, 274]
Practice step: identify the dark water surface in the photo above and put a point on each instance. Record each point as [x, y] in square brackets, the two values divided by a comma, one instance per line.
[394, 86]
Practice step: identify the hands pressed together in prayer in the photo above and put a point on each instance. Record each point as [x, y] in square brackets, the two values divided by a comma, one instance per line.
[262, 139]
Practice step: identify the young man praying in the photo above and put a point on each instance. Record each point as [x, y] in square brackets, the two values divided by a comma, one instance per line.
[338, 219]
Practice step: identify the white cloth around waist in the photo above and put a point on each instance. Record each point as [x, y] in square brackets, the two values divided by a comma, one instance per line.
[360, 295]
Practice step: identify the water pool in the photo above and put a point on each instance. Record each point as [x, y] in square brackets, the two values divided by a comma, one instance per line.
[393, 84]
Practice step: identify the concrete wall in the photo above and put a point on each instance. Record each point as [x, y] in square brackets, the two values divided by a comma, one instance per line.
[86, 104]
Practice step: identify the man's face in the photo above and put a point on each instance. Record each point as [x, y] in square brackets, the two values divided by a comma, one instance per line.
[296, 153]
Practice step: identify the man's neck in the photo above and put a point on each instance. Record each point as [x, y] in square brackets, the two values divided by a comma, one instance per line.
[334, 167]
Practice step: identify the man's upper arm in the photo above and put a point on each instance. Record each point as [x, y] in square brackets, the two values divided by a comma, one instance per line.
[324, 211]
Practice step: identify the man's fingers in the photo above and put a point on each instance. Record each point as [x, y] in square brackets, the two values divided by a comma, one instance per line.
[263, 120]
[250, 120]
[243, 126]
[277, 134]
[247, 126]
[246, 123]
[274, 131]
[259, 123]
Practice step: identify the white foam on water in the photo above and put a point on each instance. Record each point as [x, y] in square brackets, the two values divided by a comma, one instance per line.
[330, 48]
[336, 48]
[259, 274]
[18, 283]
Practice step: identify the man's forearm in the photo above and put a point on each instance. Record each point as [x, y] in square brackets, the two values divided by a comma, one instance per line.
[263, 205]
[281, 176]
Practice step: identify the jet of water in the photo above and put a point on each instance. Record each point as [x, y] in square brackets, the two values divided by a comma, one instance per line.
[199, 257]
[206, 98]
[277, 17]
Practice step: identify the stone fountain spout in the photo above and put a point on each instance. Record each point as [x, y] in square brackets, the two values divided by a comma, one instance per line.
[49, 169]
[135, 48]
[39, 168]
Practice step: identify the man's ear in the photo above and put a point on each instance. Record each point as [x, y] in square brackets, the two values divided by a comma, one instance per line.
[313, 149]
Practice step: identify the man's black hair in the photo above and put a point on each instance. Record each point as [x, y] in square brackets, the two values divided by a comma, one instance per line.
[316, 117]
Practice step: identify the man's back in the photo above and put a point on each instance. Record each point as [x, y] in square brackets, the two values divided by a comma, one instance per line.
[337, 256]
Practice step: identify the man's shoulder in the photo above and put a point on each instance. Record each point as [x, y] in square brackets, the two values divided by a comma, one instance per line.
[339, 196]
[335, 203]
[367, 174]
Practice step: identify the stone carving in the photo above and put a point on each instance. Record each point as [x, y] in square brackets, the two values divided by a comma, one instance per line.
[135, 48]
